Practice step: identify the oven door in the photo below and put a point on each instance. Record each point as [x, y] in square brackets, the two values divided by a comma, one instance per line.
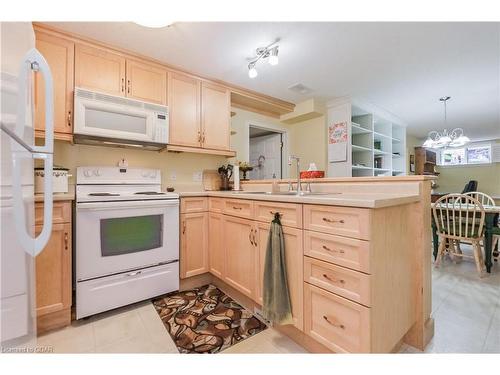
[113, 237]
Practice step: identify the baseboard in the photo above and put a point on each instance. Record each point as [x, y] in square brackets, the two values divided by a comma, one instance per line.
[55, 320]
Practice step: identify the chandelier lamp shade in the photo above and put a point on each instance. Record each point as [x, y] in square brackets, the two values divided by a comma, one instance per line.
[454, 138]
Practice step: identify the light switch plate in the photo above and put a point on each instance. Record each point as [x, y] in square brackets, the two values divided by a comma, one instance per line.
[197, 176]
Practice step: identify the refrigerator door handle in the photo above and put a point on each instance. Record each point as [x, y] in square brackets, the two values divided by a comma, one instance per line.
[34, 61]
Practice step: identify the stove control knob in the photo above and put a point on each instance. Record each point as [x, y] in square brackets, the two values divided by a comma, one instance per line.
[97, 172]
[87, 173]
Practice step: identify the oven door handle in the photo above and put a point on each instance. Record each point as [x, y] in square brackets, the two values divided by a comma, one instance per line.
[119, 205]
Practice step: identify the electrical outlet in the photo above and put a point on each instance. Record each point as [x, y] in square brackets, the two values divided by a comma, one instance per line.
[197, 176]
[173, 176]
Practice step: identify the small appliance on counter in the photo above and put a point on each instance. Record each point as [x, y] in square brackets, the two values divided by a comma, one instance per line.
[59, 179]
[312, 172]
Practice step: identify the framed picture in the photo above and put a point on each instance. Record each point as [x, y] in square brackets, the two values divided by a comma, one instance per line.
[412, 163]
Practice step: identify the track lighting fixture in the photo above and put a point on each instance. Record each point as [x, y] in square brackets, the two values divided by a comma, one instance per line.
[270, 52]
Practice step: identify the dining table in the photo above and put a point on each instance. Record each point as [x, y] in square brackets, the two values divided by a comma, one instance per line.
[490, 222]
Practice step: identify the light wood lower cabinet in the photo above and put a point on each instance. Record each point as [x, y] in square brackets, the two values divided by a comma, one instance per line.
[194, 244]
[216, 256]
[240, 254]
[53, 272]
[294, 268]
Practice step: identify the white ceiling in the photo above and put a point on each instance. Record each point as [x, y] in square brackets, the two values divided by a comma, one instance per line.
[401, 67]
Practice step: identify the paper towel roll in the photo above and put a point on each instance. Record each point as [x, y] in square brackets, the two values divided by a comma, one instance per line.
[236, 177]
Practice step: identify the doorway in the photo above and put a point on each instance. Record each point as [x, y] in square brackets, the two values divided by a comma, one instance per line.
[265, 153]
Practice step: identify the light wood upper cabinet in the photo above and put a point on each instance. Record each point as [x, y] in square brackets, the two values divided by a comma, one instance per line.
[294, 268]
[100, 70]
[184, 105]
[194, 244]
[240, 254]
[216, 245]
[59, 54]
[146, 82]
[215, 116]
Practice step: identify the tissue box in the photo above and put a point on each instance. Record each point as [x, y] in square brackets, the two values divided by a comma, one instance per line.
[312, 174]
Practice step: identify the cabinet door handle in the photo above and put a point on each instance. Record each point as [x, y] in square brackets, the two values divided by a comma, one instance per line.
[69, 118]
[128, 86]
[331, 279]
[66, 241]
[325, 219]
[199, 136]
[237, 208]
[183, 227]
[255, 237]
[203, 137]
[250, 236]
[333, 250]
[338, 325]
[134, 273]
[123, 84]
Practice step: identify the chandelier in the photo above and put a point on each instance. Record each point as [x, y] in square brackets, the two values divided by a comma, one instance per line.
[454, 138]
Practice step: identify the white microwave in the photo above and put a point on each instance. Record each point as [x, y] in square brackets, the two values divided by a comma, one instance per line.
[116, 121]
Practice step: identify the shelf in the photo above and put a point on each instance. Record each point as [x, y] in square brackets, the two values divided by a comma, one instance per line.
[380, 152]
[356, 148]
[359, 167]
[381, 170]
[382, 135]
[358, 129]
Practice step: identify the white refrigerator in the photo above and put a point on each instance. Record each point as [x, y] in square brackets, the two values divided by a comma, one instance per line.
[20, 62]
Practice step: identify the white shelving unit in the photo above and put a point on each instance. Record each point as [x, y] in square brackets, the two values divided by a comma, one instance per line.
[377, 140]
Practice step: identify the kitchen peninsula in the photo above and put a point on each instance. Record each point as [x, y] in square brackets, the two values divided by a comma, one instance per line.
[357, 255]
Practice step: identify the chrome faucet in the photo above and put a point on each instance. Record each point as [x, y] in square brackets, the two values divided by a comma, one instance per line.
[297, 159]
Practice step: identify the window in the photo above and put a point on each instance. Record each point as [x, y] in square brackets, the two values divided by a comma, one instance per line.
[453, 156]
[479, 154]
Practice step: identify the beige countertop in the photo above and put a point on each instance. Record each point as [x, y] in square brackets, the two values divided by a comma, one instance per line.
[57, 197]
[366, 200]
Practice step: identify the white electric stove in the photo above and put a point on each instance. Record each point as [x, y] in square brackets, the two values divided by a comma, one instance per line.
[127, 238]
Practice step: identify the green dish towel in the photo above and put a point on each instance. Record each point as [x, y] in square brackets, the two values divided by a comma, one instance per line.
[276, 298]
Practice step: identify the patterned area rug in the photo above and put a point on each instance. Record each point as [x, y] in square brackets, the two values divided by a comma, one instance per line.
[205, 320]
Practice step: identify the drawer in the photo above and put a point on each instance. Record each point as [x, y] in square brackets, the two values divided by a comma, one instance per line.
[291, 214]
[347, 283]
[343, 221]
[238, 207]
[194, 204]
[61, 212]
[215, 204]
[339, 324]
[106, 293]
[343, 251]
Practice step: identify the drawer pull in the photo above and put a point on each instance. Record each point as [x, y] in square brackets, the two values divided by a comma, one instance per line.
[332, 323]
[184, 227]
[66, 241]
[237, 208]
[69, 118]
[134, 273]
[325, 219]
[335, 251]
[333, 280]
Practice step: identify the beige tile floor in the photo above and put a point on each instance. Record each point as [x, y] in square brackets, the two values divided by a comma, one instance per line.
[466, 310]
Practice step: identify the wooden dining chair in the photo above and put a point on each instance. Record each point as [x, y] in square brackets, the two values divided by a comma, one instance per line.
[459, 218]
[486, 200]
